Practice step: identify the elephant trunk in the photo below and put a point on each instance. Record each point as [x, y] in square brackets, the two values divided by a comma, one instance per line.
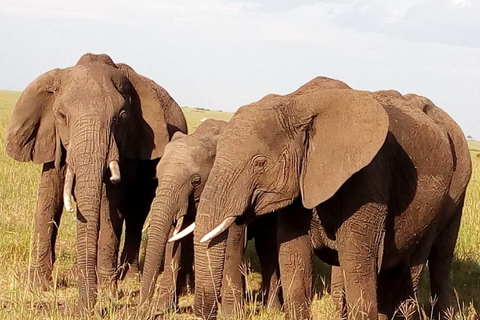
[87, 157]
[163, 210]
[209, 260]
[216, 203]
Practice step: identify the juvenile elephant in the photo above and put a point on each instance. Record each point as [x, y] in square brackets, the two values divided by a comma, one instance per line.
[182, 173]
[86, 124]
[377, 171]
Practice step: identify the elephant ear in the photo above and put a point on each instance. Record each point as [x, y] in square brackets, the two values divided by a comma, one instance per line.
[148, 131]
[347, 130]
[31, 133]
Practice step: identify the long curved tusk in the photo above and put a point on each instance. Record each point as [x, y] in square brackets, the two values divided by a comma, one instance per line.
[178, 226]
[215, 232]
[67, 189]
[114, 171]
[183, 233]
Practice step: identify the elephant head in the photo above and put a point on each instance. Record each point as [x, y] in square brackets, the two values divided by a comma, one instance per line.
[182, 173]
[307, 143]
[89, 117]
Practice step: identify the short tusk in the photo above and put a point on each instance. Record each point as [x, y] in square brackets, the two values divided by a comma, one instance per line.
[183, 233]
[114, 171]
[218, 230]
[147, 225]
[245, 240]
[178, 226]
[67, 189]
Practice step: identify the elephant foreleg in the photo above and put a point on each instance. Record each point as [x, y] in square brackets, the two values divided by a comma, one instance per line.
[337, 290]
[139, 195]
[47, 220]
[295, 260]
[109, 236]
[266, 247]
[360, 241]
[395, 288]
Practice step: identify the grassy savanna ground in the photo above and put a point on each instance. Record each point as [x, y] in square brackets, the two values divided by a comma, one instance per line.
[18, 188]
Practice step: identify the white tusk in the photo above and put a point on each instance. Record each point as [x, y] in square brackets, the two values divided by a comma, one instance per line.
[215, 232]
[245, 240]
[114, 171]
[183, 233]
[178, 226]
[67, 189]
[147, 225]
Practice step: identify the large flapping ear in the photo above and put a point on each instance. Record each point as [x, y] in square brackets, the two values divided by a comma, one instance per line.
[347, 130]
[148, 130]
[31, 133]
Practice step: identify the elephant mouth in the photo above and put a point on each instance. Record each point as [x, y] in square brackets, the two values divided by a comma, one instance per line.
[68, 199]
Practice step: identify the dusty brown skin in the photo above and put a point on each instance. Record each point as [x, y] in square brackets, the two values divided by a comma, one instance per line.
[376, 170]
[84, 118]
[405, 277]
[182, 173]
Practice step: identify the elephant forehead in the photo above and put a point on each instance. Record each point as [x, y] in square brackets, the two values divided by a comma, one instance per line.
[95, 78]
[84, 88]
[183, 150]
[257, 127]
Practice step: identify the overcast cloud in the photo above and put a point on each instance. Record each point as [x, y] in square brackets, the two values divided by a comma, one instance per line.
[223, 54]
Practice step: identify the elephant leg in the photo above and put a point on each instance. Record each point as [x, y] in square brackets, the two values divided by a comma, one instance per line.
[440, 263]
[395, 288]
[266, 247]
[337, 290]
[47, 220]
[295, 254]
[139, 196]
[185, 276]
[110, 232]
[360, 239]
[233, 283]
[167, 288]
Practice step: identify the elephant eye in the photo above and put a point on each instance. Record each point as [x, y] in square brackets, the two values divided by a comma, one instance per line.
[122, 115]
[259, 163]
[196, 180]
[62, 116]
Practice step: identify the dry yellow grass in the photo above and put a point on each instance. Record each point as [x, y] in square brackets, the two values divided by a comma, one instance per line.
[18, 187]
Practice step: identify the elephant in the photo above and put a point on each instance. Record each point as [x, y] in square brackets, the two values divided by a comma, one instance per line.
[99, 129]
[385, 179]
[182, 173]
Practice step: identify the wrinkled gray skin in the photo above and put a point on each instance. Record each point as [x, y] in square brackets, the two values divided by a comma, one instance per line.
[377, 171]
[76, 121]
[405, 278]
[182, 173]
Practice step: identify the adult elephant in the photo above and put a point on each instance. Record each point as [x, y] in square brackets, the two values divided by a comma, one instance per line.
[376, 171]
[86, 124]
[182, 173]
[406, 277]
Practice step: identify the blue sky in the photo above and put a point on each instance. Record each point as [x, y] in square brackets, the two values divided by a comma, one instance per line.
[224, 54]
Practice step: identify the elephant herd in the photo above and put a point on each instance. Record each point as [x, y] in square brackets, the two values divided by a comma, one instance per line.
[372, 183]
